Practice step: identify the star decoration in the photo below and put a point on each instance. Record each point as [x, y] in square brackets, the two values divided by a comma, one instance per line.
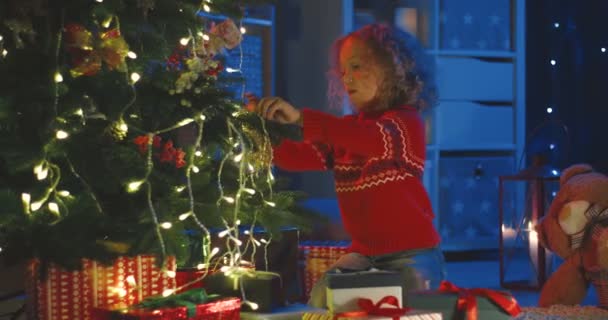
[457, 208]
[470, 183]
[470, 232]
[485, 206]
[468, 19]
[445, 182]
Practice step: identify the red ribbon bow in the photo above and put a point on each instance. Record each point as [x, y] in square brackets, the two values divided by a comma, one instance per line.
[467, 299]
[368, 308]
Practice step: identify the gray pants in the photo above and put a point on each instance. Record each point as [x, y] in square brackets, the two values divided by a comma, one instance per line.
[421, 269]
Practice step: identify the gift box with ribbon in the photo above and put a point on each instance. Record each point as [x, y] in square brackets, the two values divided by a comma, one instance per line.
[387, 307]
[194, 304]
[263, 288]
[56, 293]
[345, 288]
[465, 304]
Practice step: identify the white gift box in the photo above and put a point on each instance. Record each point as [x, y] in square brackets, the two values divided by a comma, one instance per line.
[345, 289]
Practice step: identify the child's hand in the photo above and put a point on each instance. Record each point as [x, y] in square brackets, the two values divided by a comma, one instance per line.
[276, 109]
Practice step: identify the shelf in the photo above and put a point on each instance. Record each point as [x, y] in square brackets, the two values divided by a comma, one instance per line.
[489, 147]
[474, 53]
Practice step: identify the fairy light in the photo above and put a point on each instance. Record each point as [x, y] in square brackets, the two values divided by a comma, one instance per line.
[4, 53]
[206, 8]
[135, 77]
[60, 134]
[270, 203]
[201, 266]
[100, 1]
[252, 305]
[202, 117]
[58, 77]
[79, 112]
[134, 186]
[184, 41]
[166, 225]
[185, 122]
[184, 216]
[232, 70]
[243, 30]
[195, 169]
[168, 292]
[180, 188]
[229, 199]
[171, 274]
[246, 232]
[132, 55]
[237, 222]
[553, 62]
[63, 193]
[603, 49]
[214, 251]
[249, 190]
[53, 207]
[263, 240]
[238, 157]
[549, 110]
[250, 167]
[198, 153]
[25, 199]
[37, 205]
[556, 25]
[223, 233]
[42, 174]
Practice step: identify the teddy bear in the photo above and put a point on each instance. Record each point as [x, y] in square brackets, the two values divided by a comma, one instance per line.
[576, 229]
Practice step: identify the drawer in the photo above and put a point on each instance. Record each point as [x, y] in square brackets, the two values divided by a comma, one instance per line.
[474, 126]
[474, 79]
[476, 25]
[468, 197]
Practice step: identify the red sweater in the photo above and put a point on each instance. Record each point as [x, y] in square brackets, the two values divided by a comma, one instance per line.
[378, 161]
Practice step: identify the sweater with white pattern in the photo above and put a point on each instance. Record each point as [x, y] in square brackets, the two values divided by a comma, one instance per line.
[378, 162]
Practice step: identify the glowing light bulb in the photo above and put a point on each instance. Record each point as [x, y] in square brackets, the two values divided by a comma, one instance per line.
[549, 110]
[232, 70]
[195, 169]
[243, 30]
[26, 198]
[184, 41]
[168, 292]
[250, 167]
[223, 233]
[556, 25]
[202, 117]
[271, 204]
[58, 77]
[134, 186]
[100, 1]
[249, 190]
[132, 55]
[135, 77]
[185, 122]
[131, 281]
[37, 205]
[4, 53]
[184, 216]
[42, 174]
[63, 193]
[53, 207]
[198, 153]
[229, 199]
[166, 225]
[214, 251]
[201, 266]
[206, 37]
[60, 134]
[238, 157]
[603, 49]
[553, 62]
[252, 305]
[206, 8]
[552, 146]
[171, 274]
[180, 188]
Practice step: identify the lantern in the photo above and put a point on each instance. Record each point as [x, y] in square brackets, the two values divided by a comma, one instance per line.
[523, 201]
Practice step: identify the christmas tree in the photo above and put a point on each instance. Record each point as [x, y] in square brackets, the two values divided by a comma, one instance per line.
[120, 132]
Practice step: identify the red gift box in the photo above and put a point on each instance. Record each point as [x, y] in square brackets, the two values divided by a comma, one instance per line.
[224, 309]
[69, 295]
[318, 257]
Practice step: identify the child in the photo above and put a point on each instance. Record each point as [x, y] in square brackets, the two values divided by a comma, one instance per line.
[377, 154]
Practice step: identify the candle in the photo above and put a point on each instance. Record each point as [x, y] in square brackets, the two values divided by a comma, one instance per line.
[508, 236]
[533, 246]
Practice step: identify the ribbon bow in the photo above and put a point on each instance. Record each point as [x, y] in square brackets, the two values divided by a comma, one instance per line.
[188, 299]
[369, 308]
[467, 299]
[89, 50]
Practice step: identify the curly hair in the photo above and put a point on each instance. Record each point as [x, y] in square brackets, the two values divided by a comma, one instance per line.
[409, 72]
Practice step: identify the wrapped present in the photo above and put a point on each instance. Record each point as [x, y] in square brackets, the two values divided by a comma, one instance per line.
[345, 289]
[465, 304]
[263, 288]
[56, 293]
[191, 278]
[193, 304]
[317, 257]
[370, 310]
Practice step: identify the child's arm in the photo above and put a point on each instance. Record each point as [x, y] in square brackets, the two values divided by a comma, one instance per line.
[302, 156]
[387, 137]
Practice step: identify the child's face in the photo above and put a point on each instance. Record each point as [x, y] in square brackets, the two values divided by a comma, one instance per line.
[360, 74]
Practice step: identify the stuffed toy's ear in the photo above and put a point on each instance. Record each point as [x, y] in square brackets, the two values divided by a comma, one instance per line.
[573, 171]
[572, 218]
